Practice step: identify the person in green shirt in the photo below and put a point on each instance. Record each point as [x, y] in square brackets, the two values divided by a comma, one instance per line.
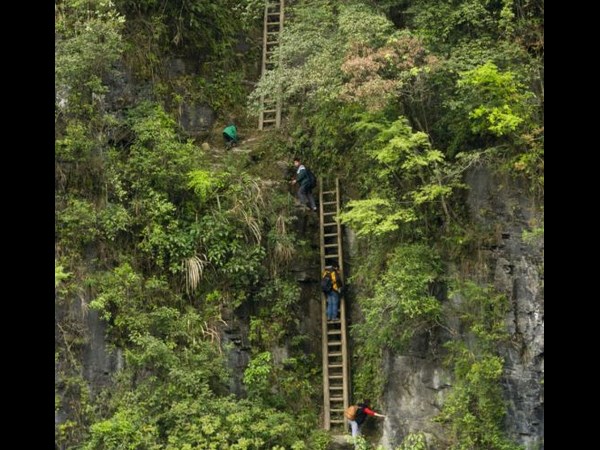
[230, 135]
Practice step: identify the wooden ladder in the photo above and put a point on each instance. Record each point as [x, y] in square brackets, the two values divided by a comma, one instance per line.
[270, 112]
[336, 381]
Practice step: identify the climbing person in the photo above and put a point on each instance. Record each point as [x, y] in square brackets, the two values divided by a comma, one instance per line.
[230, 135]
[331, 285]
[307, 181]
[357, 414]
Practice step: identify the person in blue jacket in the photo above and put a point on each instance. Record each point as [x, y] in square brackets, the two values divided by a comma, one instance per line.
[306, 185]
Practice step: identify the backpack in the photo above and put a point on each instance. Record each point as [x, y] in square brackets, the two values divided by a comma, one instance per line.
[312, 180]
[326, 283]
[351, 412]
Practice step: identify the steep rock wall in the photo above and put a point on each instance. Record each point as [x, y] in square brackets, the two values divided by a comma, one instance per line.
[512, 262]
[515, 267]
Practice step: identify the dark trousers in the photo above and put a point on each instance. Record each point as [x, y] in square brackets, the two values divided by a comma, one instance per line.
[229, 141]
[305, 196]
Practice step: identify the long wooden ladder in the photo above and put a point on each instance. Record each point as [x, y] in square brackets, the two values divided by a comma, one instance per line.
[336, 381]
[270, 112]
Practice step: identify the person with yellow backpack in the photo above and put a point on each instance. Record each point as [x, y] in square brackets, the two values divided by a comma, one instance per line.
[357, 414]
[331, 285]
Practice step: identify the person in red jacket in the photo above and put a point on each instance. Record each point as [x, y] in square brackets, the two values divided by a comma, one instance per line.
[363, 411]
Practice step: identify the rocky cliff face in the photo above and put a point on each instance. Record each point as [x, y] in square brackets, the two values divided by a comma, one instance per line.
[417, 382]
[516, 267]
[513, 263]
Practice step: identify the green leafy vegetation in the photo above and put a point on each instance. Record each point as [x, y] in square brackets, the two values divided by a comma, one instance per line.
[475, 408]
[172, 244]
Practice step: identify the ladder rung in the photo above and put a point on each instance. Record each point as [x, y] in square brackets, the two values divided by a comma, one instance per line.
[336, 410]
[269, 120]
[329, 192]
[334, 332]
[330, 245]
[329, 224]
[330, 235]
[335, 366]
[329, 203]
[272, 32]
[336, 377]
[336, 399]
[269, 110]
[332, 343]
[334, 354]
[331, 256]
[330, 213]
[336, 421]
[335, 388]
